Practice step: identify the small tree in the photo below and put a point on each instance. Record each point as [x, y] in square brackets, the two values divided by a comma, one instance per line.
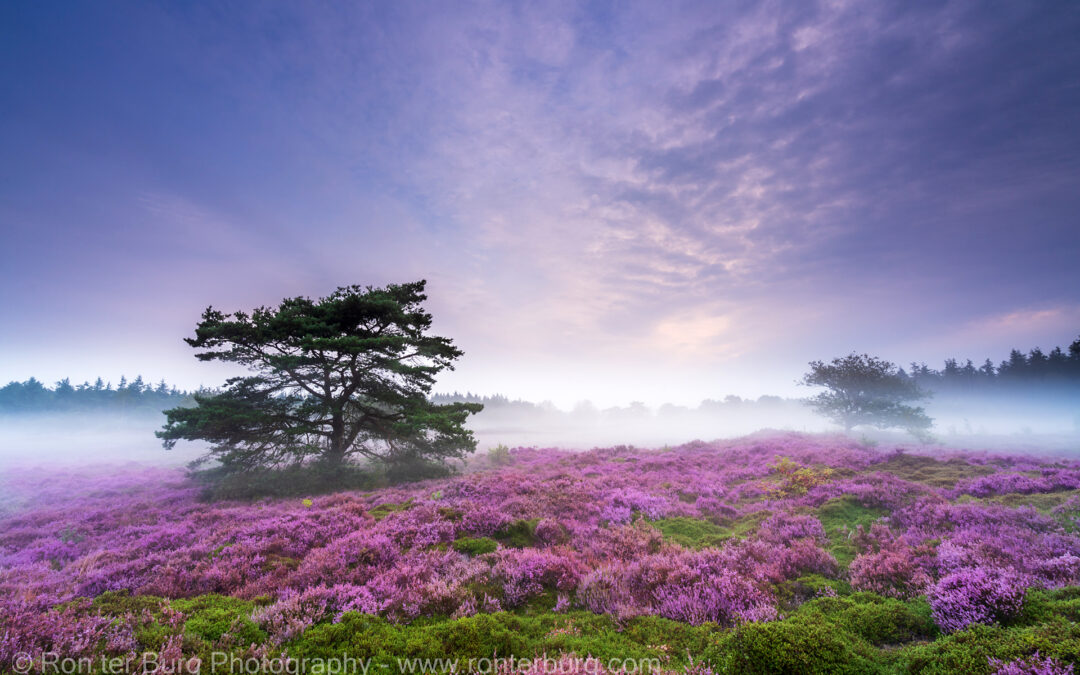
[346, 376]
[865, 390]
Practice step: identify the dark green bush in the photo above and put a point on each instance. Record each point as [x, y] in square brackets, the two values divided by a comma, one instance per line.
[841, 517]
[119, 603]
[209, 617]
[518, 534]
[288, 482]
[792, 646]
[692, 532]
[880, 621]
[477, 546]
[504, 634]
[969, 651]
[850, 633]
[383, 510]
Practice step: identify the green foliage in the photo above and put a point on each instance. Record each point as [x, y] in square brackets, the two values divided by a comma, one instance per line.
[1042, 501]
[518, 534]
[967, 651]
[692, 532]
[499, 455]
[840, 517]
[383, 510]
[344, 377]
[863, 390]
[698, 534]
[503, 634]
[1047, 625]
[792, 594]
[477, 546]
[1043, 605]
[209, 617]
[853, 633]
[795, 479]
[793, 646]
[880, 621]
[210, 622]
[119, 603]
[826, 635]
[292, 481]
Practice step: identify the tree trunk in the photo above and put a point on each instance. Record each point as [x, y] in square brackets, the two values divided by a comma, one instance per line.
[335, 454]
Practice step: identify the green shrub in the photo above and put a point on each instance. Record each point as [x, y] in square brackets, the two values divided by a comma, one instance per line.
[288, 482]
[692, 532]
[880, 621]
[477, 546]
[840, 517]
[1042, 605]
[211, 616]
[795, 592]
[383, 510]
[504, 634]
[499, 455]
[119, 603]
[411, 469]
[794, 479]
[792, 646]
[969, 651]
[518, 534]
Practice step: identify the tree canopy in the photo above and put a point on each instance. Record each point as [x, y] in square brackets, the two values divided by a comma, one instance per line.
[340, 378]
[863, 390]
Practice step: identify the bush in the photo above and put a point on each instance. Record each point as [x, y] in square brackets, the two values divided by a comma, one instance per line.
[793, 646]
[499, 455]
[503, 635]
[411, 469]
[692, 532]
[795, 479]
[879, 621]
[841, 517]
[475, 546]
[287, 482]
[518, 534]
[211, 617]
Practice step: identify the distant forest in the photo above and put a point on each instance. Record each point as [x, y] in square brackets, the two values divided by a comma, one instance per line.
[136, 396]
[1058, 368]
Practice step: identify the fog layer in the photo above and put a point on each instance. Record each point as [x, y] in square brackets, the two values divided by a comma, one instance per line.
[1048, 423]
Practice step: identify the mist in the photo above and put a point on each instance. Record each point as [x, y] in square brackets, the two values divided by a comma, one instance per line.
[1035, 422]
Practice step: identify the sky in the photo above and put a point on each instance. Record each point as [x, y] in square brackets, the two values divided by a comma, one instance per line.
[612, 201]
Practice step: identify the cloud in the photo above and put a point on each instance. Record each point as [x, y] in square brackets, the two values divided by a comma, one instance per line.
[583, 181]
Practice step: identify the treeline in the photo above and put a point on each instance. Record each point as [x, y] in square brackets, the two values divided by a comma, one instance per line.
[493, 401]
[499, 402]
[136, 396]
[1058, 367]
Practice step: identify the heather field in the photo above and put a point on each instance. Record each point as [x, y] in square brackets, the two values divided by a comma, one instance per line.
[768, 554]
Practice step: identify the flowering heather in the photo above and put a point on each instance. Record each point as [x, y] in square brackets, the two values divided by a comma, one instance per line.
[888, 566]
[976, 595]
[730, 535]
[1033, 665]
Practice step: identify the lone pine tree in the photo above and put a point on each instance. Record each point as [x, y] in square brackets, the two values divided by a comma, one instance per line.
[340, 378]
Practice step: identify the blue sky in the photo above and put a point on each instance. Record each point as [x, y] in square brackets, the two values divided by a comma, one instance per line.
[616, 201]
